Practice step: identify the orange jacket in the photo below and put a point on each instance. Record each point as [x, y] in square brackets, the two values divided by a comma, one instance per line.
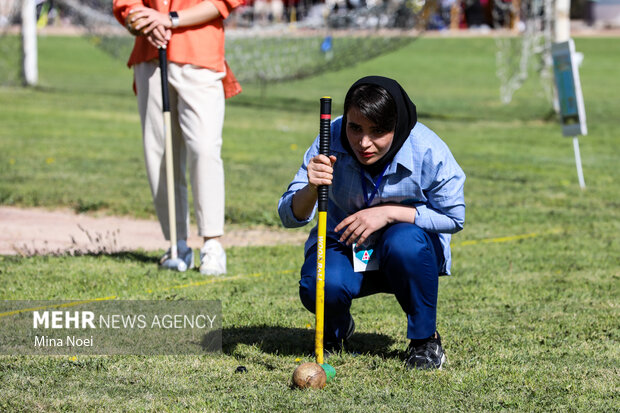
[200, 45]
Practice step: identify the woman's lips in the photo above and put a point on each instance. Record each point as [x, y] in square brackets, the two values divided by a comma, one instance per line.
[365, 155]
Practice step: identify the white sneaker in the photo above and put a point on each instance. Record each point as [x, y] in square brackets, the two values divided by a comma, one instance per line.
[212, 258]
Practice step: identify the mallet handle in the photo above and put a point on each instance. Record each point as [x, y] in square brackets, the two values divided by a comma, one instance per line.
[323, 190]
[324, 138]
[163, 67]
[172, 221]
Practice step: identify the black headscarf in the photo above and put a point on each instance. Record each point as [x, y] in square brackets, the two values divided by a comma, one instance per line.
[406, 118]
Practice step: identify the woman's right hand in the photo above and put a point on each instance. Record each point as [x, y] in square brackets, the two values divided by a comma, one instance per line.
[321, 170]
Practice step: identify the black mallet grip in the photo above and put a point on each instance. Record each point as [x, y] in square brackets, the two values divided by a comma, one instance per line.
[324, 139]
[163, 67]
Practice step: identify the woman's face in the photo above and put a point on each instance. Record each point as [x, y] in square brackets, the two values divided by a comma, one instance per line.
[368, 141]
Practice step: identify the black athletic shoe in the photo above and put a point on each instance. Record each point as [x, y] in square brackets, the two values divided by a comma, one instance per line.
[427, 355]
[332, 347]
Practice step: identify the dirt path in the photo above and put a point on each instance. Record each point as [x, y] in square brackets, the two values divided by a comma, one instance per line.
[29, 231]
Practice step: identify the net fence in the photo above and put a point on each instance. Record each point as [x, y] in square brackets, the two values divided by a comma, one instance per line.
[283, 40]
[528, 53]
[262, 46]
[10, 52]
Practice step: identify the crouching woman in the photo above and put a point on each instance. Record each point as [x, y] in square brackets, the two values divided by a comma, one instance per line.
[395, 198]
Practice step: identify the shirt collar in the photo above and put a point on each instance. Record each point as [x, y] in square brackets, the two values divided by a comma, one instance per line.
[336, 144]
[404, 156]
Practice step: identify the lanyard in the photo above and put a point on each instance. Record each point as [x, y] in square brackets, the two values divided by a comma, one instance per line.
[376, 184]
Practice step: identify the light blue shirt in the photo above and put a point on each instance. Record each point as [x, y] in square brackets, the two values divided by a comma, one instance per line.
[423, 174]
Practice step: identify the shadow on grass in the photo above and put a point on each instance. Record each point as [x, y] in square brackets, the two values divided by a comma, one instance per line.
[133, 256]
[27, 251]
[138, 256]
[297, 341]
[72, 90]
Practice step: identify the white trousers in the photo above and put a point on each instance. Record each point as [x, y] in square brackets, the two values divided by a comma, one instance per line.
[197, 113]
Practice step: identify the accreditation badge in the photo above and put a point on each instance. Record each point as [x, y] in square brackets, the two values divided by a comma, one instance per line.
[364, 258]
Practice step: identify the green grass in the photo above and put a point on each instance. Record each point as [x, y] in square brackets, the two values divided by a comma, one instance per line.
[529, 323]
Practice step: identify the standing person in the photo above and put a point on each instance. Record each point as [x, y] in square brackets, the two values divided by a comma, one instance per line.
[396, 194]
[192, 31]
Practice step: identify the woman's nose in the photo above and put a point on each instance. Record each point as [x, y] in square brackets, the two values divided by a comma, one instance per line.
[365, 141]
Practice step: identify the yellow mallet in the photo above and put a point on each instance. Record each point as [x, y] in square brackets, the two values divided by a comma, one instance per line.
[315, 375]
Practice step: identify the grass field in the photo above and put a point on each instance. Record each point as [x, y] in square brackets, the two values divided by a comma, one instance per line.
[529, 319]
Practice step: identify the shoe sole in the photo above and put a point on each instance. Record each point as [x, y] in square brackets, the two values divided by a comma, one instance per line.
[443, 360]
[215, 274]
[430, 366]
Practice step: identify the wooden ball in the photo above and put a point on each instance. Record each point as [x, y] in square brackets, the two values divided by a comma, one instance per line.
[309, 375]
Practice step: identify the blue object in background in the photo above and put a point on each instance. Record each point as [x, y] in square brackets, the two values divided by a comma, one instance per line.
[326, 45]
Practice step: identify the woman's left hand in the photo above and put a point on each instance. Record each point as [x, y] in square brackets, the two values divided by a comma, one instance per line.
[159, 36]
[360, 225]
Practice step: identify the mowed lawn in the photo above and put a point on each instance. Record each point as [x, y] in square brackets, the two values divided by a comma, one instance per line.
[529, 318]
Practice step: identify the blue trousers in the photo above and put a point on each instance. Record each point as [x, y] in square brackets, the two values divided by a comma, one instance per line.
[409, 258]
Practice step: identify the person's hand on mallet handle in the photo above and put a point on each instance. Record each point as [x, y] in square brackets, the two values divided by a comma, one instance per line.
[320, 172]
[158, 26]
[148, 22]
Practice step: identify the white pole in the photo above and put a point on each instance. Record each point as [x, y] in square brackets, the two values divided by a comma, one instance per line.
[582, 182]
[561, 33]
[29, 42]
[562, 21]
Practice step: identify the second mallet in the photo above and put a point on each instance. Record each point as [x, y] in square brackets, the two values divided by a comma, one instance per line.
[173, 263]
